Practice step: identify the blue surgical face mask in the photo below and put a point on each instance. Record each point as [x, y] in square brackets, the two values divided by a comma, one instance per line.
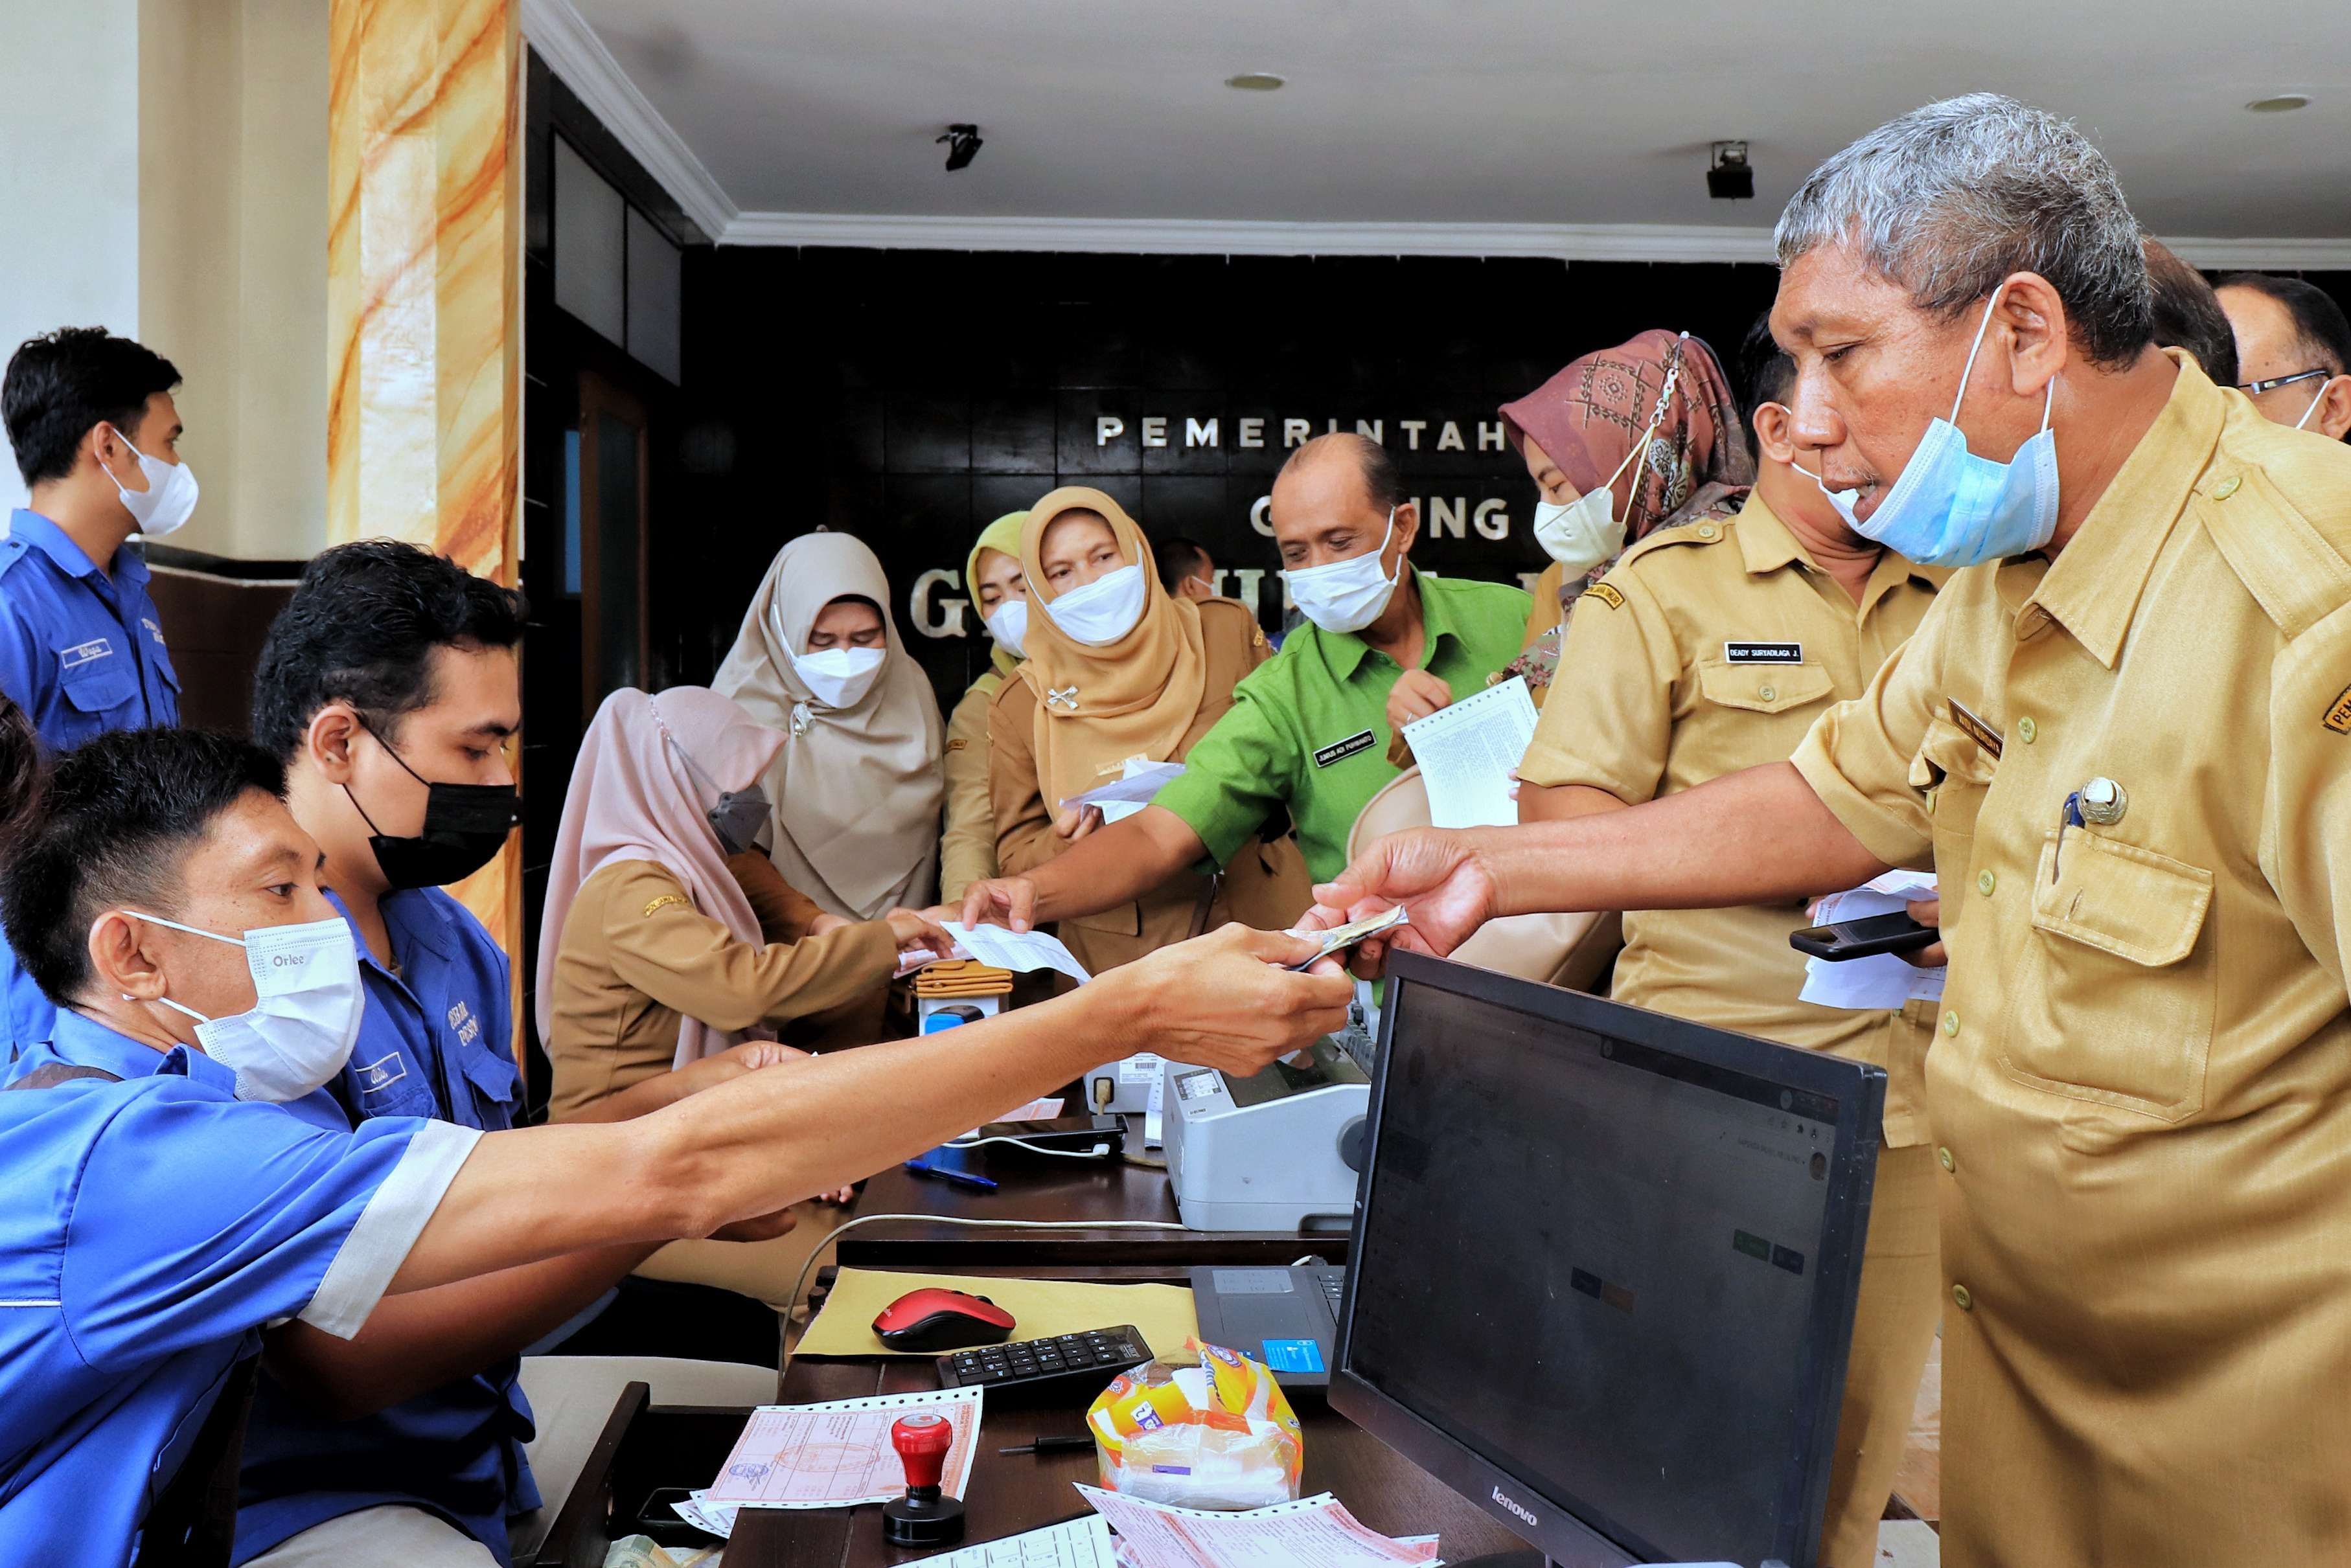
[1952, 508]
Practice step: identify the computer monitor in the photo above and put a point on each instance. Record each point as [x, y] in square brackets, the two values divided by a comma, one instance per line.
[1604, 1266]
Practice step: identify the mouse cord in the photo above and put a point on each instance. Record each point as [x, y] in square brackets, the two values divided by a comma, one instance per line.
[842, 1229]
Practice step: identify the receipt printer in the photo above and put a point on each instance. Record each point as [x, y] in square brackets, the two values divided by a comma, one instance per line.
[1277, 1150]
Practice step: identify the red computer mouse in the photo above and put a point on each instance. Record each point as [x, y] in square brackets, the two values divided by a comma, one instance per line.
[934, 1319]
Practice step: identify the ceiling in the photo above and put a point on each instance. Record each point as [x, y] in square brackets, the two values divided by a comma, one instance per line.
[1479, 116]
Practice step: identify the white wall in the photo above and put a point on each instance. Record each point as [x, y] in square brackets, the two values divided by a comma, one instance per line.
[68, 173]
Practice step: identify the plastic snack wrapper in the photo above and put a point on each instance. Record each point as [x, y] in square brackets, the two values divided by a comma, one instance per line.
[1217, 1433]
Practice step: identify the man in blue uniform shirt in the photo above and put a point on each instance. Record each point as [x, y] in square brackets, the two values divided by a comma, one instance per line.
[90, 419]
[390, 687]
[155, 1218]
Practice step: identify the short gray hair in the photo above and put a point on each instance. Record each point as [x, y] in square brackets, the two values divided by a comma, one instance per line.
[1949, 199]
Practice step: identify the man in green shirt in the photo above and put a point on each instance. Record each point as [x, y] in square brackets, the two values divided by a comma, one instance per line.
[1308, 731]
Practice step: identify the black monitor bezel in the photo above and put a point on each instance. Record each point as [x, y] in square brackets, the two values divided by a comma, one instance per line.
[1571, 1531]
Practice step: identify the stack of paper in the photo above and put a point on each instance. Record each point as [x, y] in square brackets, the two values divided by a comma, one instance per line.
[838, 1454]
[1079, 1543]
[1881, 979]
[1317, 1530]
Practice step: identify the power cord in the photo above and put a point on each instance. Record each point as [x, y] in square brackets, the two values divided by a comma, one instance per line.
[1099, 1152]
[800, 1283]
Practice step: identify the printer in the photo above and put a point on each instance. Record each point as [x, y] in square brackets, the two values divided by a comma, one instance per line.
[1277, 1150]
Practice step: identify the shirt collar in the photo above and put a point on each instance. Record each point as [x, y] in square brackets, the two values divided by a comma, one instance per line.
[2092, 588]
[1345, 651]
[408, 914]
[86, 1042]
[1766, 543]
[53, 541]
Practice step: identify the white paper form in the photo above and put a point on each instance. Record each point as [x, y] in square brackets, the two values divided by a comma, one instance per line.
[1313, 1532]
[1141, 781]
[1881, 979]
[837, 1454]
[1018, 951]
[1466, 753]
[1079, 1543]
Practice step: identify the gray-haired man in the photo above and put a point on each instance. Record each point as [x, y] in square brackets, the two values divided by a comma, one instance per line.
[2124, 741]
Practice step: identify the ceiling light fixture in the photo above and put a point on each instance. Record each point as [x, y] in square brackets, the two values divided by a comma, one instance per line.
[1255, 82]
[963, 146]
[1730, 178]
[2284, 102]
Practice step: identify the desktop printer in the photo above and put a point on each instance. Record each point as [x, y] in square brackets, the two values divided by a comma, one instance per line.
[1277, 1150]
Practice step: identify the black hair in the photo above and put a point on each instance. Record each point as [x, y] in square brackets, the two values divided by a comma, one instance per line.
[60, 385]
[2318, 320]
[361, 628]
[107, 826]
[1175, 559]
[1766, 370]
[2188, 314]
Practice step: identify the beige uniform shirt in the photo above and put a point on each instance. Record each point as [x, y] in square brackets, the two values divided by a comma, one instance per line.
[967, 846]
[1712, 647]
[636, 955]
[2142, 1079]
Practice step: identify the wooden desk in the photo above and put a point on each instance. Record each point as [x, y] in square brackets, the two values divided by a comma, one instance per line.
[1060, 1191]
[1013, 1493]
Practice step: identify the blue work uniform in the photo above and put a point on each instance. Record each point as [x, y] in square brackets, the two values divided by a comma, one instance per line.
[82, 652]
[435, 1041]
[149, 1228]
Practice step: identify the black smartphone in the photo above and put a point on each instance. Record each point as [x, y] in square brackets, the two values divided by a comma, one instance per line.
[1841, 940]
[1101, 1136]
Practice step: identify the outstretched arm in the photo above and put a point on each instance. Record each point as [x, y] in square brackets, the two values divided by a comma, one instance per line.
[1107, 867]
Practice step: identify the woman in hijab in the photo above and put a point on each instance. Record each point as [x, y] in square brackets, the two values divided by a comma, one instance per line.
[1000, 591]
[1118, 671]
[857, 787]
[1620, 444]
[653, 953]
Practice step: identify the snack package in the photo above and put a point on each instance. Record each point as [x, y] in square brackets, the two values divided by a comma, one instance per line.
[1215, 1434]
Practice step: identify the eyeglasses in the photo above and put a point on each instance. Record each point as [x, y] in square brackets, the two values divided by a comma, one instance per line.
[2255, 389]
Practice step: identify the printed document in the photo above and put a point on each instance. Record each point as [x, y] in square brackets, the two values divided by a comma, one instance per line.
[1017, 950]
[1141, 781]
[1466, 753]
[1079, 1543]
[1317, 1531]
[837, 1454]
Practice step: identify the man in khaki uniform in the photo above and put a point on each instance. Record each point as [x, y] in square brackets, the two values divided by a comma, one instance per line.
[2126, 745]
[1709, 648]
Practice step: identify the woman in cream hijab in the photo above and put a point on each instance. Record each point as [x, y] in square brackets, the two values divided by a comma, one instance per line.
[1117, 671]
[856, 788]
[999, 592]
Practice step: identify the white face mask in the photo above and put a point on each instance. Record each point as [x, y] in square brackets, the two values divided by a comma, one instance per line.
[168, 499]
[839, 676]
[1101, 612]
[298, 1034]
[1008, 623]
[1586, 533]
[1349, 595]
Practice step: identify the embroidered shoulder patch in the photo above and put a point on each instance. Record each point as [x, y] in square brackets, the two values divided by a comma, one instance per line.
[662, 902]
[1606, 595]
[958, 745]
[2338, 717]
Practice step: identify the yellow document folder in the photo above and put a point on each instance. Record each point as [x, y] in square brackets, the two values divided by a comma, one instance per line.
[1041, 1309]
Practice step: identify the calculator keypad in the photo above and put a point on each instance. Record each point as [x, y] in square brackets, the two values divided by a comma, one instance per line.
[1098, 1353]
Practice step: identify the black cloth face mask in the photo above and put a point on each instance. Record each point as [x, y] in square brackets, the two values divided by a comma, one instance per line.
[464, 828]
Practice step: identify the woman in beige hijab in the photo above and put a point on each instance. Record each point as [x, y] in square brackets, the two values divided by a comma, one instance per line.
[1117, 671]
[857, 787]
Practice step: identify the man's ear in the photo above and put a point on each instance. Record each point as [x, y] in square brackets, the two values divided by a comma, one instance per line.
[1772, 434]
[329, 739]
[2334, 415]
[119, 961]
[1407, 525]
[2033, 317]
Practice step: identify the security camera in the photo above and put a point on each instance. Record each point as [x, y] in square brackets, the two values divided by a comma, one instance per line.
[1730, 178]
[964, 144]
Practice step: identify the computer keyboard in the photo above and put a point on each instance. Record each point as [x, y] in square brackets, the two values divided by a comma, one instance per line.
[1092, 1359]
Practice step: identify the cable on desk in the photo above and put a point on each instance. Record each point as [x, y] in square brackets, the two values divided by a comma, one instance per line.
[800, 1283]
[1099, 1152]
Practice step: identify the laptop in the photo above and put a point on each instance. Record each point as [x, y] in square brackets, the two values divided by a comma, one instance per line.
[1286, 1318]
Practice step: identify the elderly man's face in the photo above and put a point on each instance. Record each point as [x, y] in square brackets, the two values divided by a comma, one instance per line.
[1873, 372]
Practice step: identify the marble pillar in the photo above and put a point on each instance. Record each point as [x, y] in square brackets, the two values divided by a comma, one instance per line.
[423, 300]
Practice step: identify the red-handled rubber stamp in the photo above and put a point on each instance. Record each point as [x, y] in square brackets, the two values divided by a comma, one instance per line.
[926, 1516]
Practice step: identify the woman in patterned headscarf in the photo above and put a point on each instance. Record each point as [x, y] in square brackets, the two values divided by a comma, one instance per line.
[1650, 425]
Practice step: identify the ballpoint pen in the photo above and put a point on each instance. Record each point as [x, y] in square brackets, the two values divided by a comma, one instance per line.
[960, 1178]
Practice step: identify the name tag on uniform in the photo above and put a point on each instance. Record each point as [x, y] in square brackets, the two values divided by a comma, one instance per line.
[382, 1072]
[1762, 653]
[1340, 751]
[97, 648]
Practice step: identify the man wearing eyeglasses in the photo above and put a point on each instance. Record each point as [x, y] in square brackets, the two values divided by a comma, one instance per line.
[2294, 348]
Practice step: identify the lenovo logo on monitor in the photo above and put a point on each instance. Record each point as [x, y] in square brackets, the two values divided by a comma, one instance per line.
[1524, 1514]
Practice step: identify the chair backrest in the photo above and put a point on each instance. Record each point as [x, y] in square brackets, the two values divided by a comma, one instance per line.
[1575, 951]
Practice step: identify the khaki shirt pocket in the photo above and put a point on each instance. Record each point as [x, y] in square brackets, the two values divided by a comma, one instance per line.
[1763, 688]
[2115, 995]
